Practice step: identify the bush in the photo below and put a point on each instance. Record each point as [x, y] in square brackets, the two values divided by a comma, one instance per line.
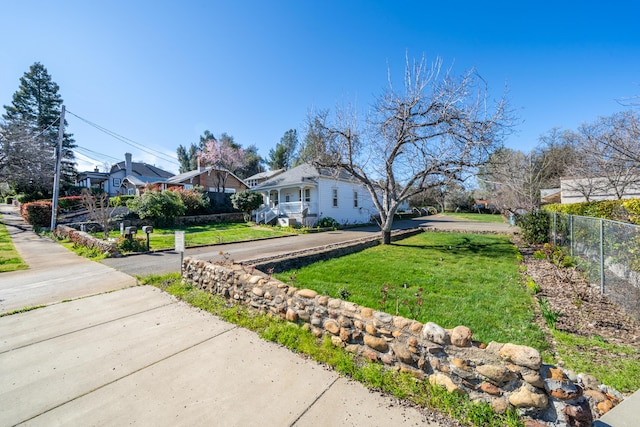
[195, 201]
[70, 203]
[627, 210]
[37, 213]
[134, 245]
[161, 207]
[119, 200]
[535, 227]
[8, 200]
[327, 222]
[246, 201]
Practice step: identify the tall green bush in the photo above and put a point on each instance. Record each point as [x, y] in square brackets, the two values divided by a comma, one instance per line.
[535, 226]
[246, 201]
[162, 207]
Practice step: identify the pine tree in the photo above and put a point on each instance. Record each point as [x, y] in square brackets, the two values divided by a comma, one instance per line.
[35, 108]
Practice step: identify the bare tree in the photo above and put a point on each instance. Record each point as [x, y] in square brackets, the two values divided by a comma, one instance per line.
[26, 160]
[99, 210]
[433, 131]
[609, 164]
[513, 180]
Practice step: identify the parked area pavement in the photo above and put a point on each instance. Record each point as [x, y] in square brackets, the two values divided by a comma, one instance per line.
[139, 356]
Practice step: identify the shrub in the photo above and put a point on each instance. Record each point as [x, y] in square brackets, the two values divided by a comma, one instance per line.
[535, 226]
[327, 222]
[70, 203]
[194, 199]
[37, 213]
[246, 201]
[627, 210]
[119, 200]
[162, 207]
[134, 245]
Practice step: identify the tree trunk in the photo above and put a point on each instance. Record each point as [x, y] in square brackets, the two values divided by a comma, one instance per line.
[386, 237]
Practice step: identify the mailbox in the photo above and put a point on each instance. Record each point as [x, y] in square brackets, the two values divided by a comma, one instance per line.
[147, 229]
[130, 231]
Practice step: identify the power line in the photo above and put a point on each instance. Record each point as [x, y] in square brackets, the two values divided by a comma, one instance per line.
[128, 141]
[95, 153]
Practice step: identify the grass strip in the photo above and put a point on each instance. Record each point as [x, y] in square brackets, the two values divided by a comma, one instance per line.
[615, 365]
[299, 339]
[10, 260]
[478, 217]
[164, 238]
[448, 278]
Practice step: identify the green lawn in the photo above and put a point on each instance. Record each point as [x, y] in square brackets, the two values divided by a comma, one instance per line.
[164, 238]
[10, 260]
[466, 279]
[479, 217]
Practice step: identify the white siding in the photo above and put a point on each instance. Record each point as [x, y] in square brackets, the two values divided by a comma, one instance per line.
[345, 212]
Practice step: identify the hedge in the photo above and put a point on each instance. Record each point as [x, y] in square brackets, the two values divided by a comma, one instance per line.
[626, 210]
[37, 213]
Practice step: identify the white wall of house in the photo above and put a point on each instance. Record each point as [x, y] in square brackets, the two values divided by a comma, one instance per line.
[570, 190]
[353, 204]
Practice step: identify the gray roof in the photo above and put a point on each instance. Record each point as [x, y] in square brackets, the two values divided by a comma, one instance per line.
[144, 180]
[143, 171]
[265, 175]
[305, 173]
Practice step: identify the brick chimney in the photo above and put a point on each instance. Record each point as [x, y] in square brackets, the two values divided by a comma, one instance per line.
[127, 164]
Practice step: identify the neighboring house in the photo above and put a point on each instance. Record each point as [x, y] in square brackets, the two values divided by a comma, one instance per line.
[93, 179]
[126, 177]
[305, 194]
[213, 180]
[261, 177]
[576, 190]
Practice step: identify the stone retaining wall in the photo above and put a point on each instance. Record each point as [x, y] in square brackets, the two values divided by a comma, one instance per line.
[87, 240]
[504, 375]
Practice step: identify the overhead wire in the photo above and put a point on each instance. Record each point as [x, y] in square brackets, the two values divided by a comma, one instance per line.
[128, 141]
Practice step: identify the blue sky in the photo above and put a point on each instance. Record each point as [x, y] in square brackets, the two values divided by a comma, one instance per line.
[162, 72]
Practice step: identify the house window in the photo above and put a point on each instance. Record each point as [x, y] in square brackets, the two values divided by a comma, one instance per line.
[131, 191]
[117, 182]
[355, 199]
[307, 195]
[287, 198]
[188, 186]
[334, 196]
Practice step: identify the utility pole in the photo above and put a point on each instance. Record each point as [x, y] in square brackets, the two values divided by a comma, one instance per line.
[56, 176]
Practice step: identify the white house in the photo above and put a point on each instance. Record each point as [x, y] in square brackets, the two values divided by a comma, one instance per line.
[305, 194]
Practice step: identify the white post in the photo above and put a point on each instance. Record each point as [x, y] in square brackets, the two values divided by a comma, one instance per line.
[56, 176]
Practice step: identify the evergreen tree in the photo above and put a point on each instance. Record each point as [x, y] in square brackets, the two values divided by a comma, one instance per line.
[35, 109]
[282, 156]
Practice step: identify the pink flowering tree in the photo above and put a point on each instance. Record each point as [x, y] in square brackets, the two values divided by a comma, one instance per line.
[223, 155]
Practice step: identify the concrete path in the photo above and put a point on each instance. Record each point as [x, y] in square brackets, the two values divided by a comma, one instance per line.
[54, 273]
[139, 356]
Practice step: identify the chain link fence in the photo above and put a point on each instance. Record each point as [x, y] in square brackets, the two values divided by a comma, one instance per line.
[608, 252]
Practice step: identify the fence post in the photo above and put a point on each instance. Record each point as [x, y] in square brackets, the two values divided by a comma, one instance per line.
[571, 235]
[601, 255]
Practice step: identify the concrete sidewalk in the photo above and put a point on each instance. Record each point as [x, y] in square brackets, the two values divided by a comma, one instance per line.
[138, 355]
[54, 273]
